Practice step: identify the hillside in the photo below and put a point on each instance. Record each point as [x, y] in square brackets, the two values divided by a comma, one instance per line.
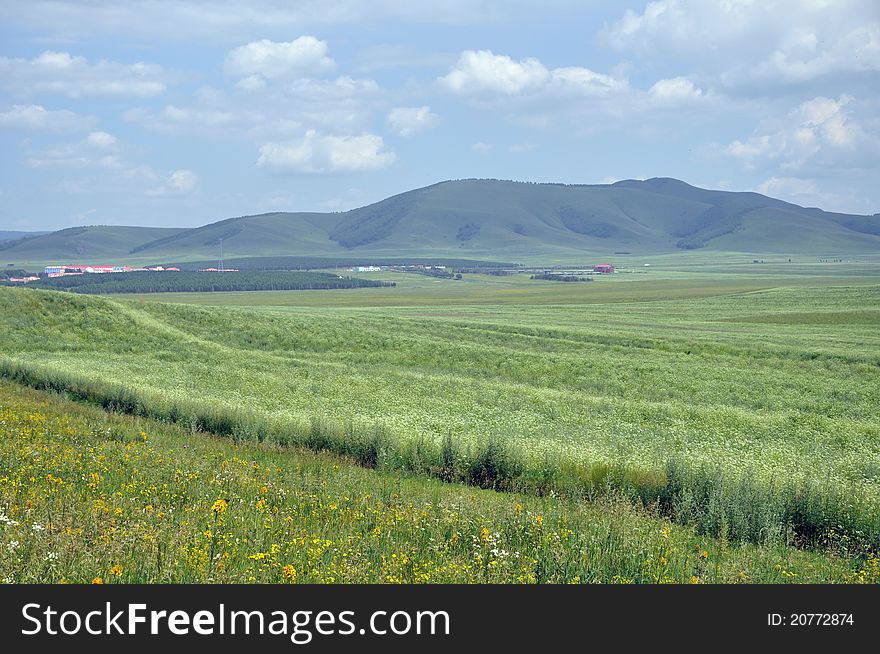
[495, 219]
[6, 235]
[75, 243]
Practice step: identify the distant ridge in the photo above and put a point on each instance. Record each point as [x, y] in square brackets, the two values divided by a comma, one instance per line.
[495, 220]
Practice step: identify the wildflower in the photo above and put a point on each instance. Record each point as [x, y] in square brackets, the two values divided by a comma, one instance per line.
[219, 507]
[116, 570]
[484, 535]
[376, 531]
[260, 505]
[148, 508]
[97, 580]
[519, 507]
[695, 579]
[704, 555]
[539, 520]
[289, 573]
[665, 532]
[264, 490]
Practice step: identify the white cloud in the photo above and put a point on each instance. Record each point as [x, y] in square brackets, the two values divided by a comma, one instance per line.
[747, 42]
[222, 20]
[317, 153]
[483, 71]
[97, 150]
[101, 140]
[676, 90]
[99, 161]
[813, 193]
[820, 132]
[176, 182]
[406, 121]
[521, 148]
[174, 120]
[481, 148]
[37, 117]
[65, 74]
[271, 60]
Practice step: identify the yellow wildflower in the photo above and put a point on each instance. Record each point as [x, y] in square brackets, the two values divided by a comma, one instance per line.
[219, 507]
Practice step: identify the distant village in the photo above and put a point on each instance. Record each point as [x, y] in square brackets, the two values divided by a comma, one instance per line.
[64, 270]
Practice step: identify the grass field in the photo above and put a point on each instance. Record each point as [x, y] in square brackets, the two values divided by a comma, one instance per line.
[87, 496]
[743, 406]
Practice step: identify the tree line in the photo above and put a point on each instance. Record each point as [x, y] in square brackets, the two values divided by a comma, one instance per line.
[201, 282]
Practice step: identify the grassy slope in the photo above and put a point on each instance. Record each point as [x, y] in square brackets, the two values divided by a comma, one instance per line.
[780, 382]
[81, 244]
[88, 495]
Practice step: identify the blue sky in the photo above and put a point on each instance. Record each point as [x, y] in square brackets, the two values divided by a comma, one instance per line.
[181, 113]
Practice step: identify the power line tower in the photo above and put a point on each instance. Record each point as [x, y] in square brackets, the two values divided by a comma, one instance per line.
[220, 262]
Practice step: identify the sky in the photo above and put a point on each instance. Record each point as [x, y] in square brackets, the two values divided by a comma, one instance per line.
[179, 113]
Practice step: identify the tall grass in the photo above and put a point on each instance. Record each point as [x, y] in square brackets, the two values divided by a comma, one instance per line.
[715, 502]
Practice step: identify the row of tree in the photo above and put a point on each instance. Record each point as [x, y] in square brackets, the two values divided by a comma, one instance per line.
[202, 282]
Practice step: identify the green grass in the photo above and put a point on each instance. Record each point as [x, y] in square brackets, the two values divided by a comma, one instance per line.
[764, 430]
[86, 495]
[659, 284]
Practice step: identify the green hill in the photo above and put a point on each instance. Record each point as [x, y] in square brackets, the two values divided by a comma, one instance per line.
[6, 235]
[76, 243]
[496, 220]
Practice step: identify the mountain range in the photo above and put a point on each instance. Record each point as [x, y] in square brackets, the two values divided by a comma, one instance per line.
[488, 219]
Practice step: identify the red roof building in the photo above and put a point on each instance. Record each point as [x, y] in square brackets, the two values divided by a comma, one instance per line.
[603, 268]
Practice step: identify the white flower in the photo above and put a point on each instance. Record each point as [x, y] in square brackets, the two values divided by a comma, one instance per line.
[6, 520]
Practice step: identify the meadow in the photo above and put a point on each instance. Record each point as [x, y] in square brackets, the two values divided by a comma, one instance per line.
[743, 407]
[92, 497]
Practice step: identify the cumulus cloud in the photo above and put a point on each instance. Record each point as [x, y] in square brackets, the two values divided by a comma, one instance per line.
[65, 74]
[406, 121]
[676, 90]
[269, 59]
[484, 72]
[175, 182]
[97, 150]
[37, 117]
[317, 153]
[744, 42]
[100, 165]
[820, 132]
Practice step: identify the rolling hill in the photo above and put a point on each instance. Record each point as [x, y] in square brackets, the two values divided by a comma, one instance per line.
[75, 243]
[493, 219]
[13, 235]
